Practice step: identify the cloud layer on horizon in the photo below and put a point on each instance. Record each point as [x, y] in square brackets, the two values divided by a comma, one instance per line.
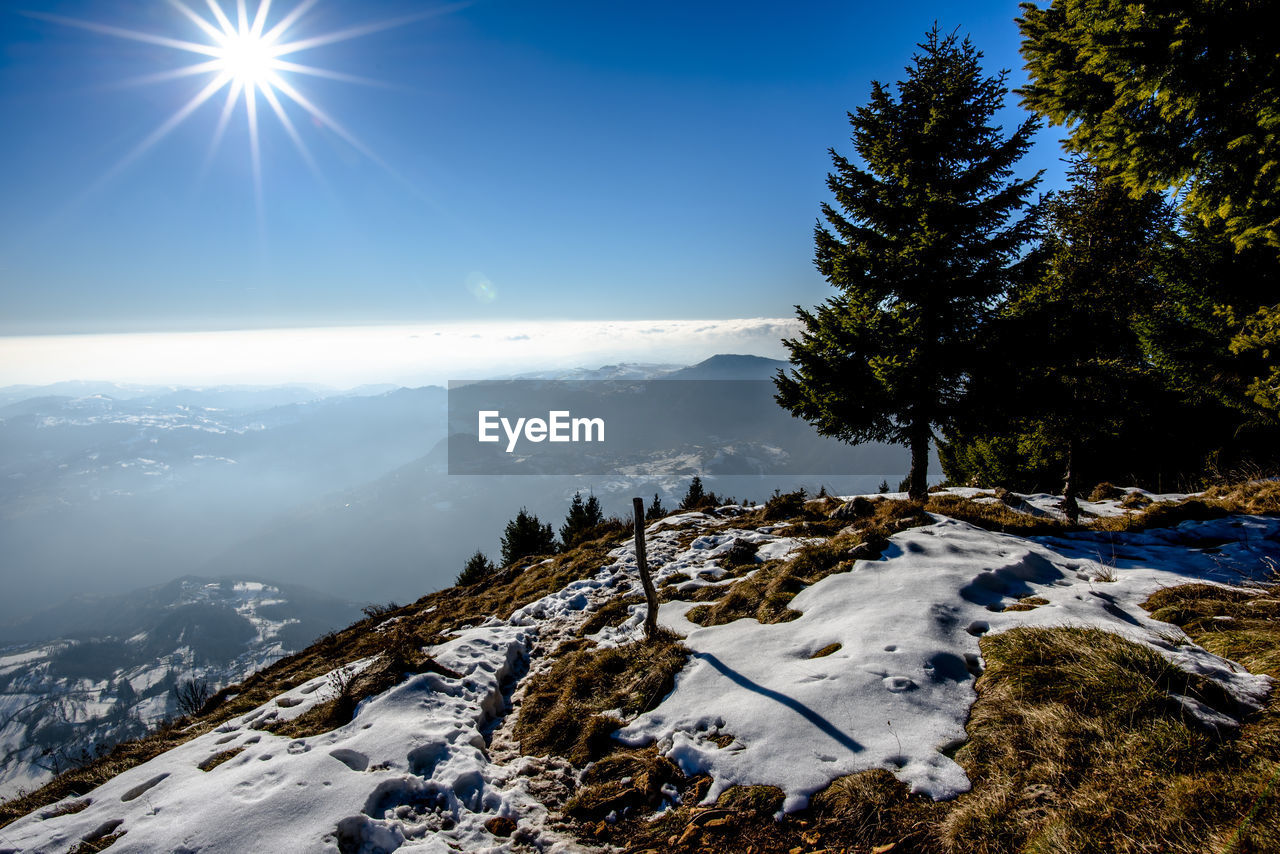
[347, 356]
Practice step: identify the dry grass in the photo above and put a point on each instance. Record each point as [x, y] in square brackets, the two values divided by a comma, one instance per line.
[1027, 603]
[218, 758]
[96, 844]
[562, 709]
[67, 808]
[860, 813]
[1254, 497]
[767, 594]
[1230, 622]
[612, 613]
[623, 780]
[993, 516]
[1077, 746]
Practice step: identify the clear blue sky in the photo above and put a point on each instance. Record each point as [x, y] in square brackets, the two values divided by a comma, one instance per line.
[538, 160]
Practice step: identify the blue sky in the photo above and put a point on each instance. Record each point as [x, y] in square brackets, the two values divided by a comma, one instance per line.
[535, 161]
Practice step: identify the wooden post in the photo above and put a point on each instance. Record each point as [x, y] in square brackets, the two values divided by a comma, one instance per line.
[642, 563]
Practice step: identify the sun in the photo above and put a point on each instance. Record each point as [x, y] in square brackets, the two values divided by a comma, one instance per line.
[246, 58]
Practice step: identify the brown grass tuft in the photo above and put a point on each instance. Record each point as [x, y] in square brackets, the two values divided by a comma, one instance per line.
[218, 758]
[562, 709]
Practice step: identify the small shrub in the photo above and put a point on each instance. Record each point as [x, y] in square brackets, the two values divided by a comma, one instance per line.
[191, 696]
[1105, 491]
[741, 553]
[697, 498]
[374, 610]
[1135, 501]
[784, 505]
[477, 568]
[655, 510]
[582, 520]
[526, 536]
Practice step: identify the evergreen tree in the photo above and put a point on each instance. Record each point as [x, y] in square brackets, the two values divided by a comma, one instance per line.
[1068, 365]
[526, 535]
[926, 241]
[697, 497]
[1178, 94]
[582, 519]
[655, 509]
[477, 568]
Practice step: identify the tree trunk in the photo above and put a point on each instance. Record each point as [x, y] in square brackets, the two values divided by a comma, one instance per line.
[1069, 488]
[917, 480]
[642, 563]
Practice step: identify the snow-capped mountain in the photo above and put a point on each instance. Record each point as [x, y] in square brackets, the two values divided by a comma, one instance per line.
[96, 670]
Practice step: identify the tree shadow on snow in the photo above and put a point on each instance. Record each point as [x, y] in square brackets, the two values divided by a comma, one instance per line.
[795, 705]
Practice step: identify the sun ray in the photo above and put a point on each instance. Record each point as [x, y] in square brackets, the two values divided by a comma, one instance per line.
[311, 70]
[288, 20]
[161, 132]
[268, 93]
[233, 95]
[362, 30]
[134, 35]
[228, 29]
[209, 29]
[242, 16]
[255, 150]
[260, 19]
[162, 76]
[350, 138]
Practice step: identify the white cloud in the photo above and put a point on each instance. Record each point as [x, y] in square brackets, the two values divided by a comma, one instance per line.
[352, 355]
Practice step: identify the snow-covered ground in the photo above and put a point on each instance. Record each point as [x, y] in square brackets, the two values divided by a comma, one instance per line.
[413, 769]
[897, 692]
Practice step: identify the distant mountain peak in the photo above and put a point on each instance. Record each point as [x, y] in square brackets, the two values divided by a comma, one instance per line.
[730, 366]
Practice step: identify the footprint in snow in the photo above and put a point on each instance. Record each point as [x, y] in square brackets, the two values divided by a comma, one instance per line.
[140, 789]
[353, 759]
[102, 831]
[899, 684]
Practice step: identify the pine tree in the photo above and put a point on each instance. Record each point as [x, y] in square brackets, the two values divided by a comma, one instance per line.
[925, 242]
[1182, 96]
[526, 535]
[582, 519]
[697, 497]
[1168, 95]
[1068, 363]
[655, 509]
[477, 568]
